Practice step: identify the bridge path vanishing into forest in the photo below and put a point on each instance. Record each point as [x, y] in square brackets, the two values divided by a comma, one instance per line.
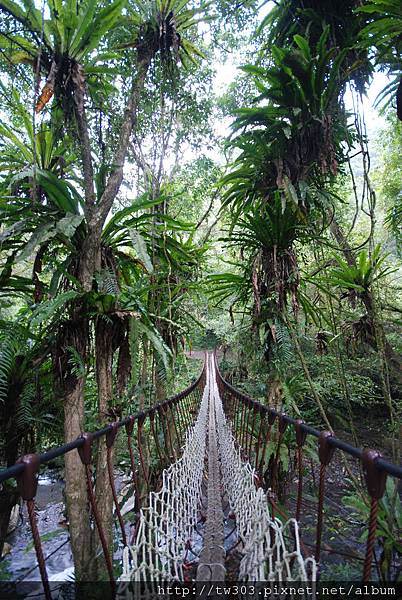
[218, 491]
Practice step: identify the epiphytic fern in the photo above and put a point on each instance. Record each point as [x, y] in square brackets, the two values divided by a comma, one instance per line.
[282, 347]
[24, 415]
[50, 308]
[76, 362]
[12, 343]
[7, 360]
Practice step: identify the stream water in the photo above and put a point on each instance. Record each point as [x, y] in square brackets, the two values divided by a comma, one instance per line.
[20, 563]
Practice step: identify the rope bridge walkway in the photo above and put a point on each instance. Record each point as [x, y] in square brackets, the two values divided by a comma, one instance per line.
[170, 519]
[228, 474]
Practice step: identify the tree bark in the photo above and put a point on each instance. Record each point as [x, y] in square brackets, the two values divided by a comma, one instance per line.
[73, 388]
[96, 214]
[9, 497]
[144, 377]
[75, 491]
[104, 498]
[129, 119]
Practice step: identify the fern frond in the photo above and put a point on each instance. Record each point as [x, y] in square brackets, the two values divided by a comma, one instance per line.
[24, 415]
[76, 363]
[282, 349]
[11, 345]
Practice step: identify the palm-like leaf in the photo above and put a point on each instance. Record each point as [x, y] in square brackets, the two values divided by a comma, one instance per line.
[164, 26]
[360, 277]
[62, 44]
[384, 32]
[295, 138]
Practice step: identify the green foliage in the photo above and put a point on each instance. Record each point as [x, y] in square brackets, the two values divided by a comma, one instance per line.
[228, 285]
[5, 573]
[389, 523]
[24, 415]
[277, 224]
[22, 149]
[8, 350]
[360, 277]
[76, 362]
[384, 32]
[61, 42]
[295, 138]
[163, 26]
[292, 17]
[141, 249]
[50, 309]
[46, 537]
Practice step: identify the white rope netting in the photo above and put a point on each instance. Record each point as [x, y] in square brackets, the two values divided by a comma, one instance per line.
[168, 522]
[271, 549]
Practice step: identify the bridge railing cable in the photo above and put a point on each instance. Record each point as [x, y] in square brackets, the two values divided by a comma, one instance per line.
[168, 420]
[253, 425]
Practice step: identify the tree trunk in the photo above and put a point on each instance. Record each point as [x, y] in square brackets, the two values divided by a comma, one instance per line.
[9, 497]
[393, 359]
[142, 482]
[104, 498]
[96, 215]
[75, 336]
[75, 491]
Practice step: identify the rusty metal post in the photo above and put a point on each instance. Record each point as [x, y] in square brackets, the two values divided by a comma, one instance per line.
[325, 453]
[155, 436]
[300, 441]
[179, 413]
[244, 424]
[282, 425]
[189, 404]
[179, 424]
[161, 414]
[240, 419]
[237, 416]
[184, 409]
[110, 438]
[85, 453]
[140, 423]
[186, 405]
[254, 410]
[27, 483]
[165, 408]
[271, 421]
[262, 412]
[171, 405]
[192, 402]
[129, 432]
[249, 404]
[376, 480]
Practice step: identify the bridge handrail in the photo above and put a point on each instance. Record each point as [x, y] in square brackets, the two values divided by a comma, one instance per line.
[26, 470]
[45, 457]
[375, 467]
[384, 465]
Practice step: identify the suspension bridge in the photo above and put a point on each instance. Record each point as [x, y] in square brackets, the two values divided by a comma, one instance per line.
[214, 514]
